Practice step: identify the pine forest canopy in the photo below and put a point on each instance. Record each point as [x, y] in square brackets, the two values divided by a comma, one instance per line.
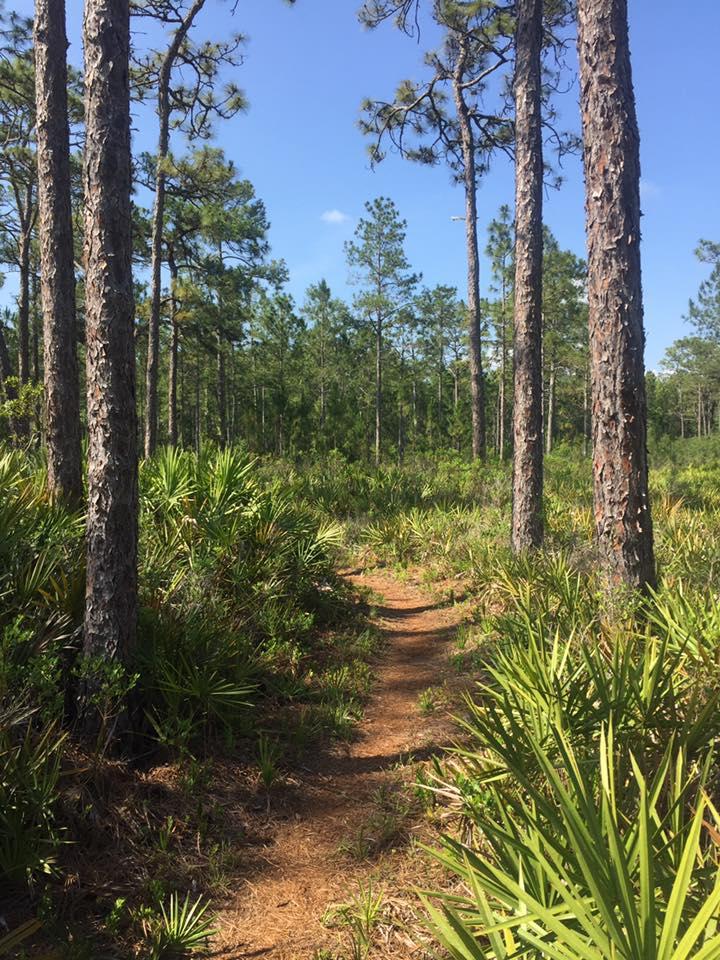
[210, 374]
[223, 353]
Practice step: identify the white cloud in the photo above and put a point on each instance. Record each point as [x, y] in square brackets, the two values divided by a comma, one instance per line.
[334, 216]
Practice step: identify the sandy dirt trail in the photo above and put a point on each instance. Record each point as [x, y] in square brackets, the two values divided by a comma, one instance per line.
[278, 911]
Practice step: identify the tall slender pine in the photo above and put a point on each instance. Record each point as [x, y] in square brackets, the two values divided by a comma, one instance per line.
[111, 593]
[57, 267]
[527, 522]
[617, 338]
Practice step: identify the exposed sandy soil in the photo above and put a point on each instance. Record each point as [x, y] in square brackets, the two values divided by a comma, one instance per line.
[278, 910]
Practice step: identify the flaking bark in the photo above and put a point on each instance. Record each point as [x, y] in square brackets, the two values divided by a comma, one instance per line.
[57, 268]
[527, 517]
[111, 594]
[617, 340]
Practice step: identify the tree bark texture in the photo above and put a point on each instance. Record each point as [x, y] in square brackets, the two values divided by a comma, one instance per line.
[111, 594]
[617, 339]
[57, 267]
[527, 508]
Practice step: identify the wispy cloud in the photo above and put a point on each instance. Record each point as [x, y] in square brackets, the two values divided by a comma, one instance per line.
[334, 216]
[648, 189]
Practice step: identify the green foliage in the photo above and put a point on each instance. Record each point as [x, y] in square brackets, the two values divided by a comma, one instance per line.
[236, 577]
[29, 772]
[23, 403]
[181, 928]
[359, 916]
[581, 870]
[239, 604]
[243, 628]
[583, 783]
[704, 312]
[582, 788]
[269, 755]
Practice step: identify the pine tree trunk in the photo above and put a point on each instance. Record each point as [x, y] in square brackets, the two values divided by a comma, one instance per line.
[550, 411]
[414, 409]
[232, 395]
[322, 391]
[24, 306]
[497, 422]
[378, 390]
[173, 364]
[262, 419]
[477, 382]
[527, 522]
[22, 423]
[221, 390]
[173, 381]
[57, 268]
[440, 417]
[503, 375]
[197, 417]
[585, 415]
[35, 321]
[111, 593]
[158, 225]
[36, 370]
[617, 340]
[6, 371]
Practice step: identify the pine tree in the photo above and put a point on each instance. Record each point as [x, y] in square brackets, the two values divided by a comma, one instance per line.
[500, 250]
[111, 593]
[378, 263]
[617, 339]
[18, 170]
[62, 390]
[527, 515]
[564, 325]
[423, 127]
[704, 312]
[438, 310]
[215, 241]
[195, 105]
[328, 320]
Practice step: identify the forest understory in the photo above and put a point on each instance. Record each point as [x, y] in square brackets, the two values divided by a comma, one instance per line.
[299, 781]
[315, 855]
[374, 620]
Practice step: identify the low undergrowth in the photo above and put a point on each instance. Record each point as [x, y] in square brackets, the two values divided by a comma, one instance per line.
[578, 818]
[585, 792]
[250, 649]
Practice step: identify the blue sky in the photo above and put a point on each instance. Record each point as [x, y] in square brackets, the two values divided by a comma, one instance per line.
[307, 69]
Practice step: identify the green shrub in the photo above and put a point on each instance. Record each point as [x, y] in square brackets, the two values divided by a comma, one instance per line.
[570, 872]
[582, 782]
[29, 772]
